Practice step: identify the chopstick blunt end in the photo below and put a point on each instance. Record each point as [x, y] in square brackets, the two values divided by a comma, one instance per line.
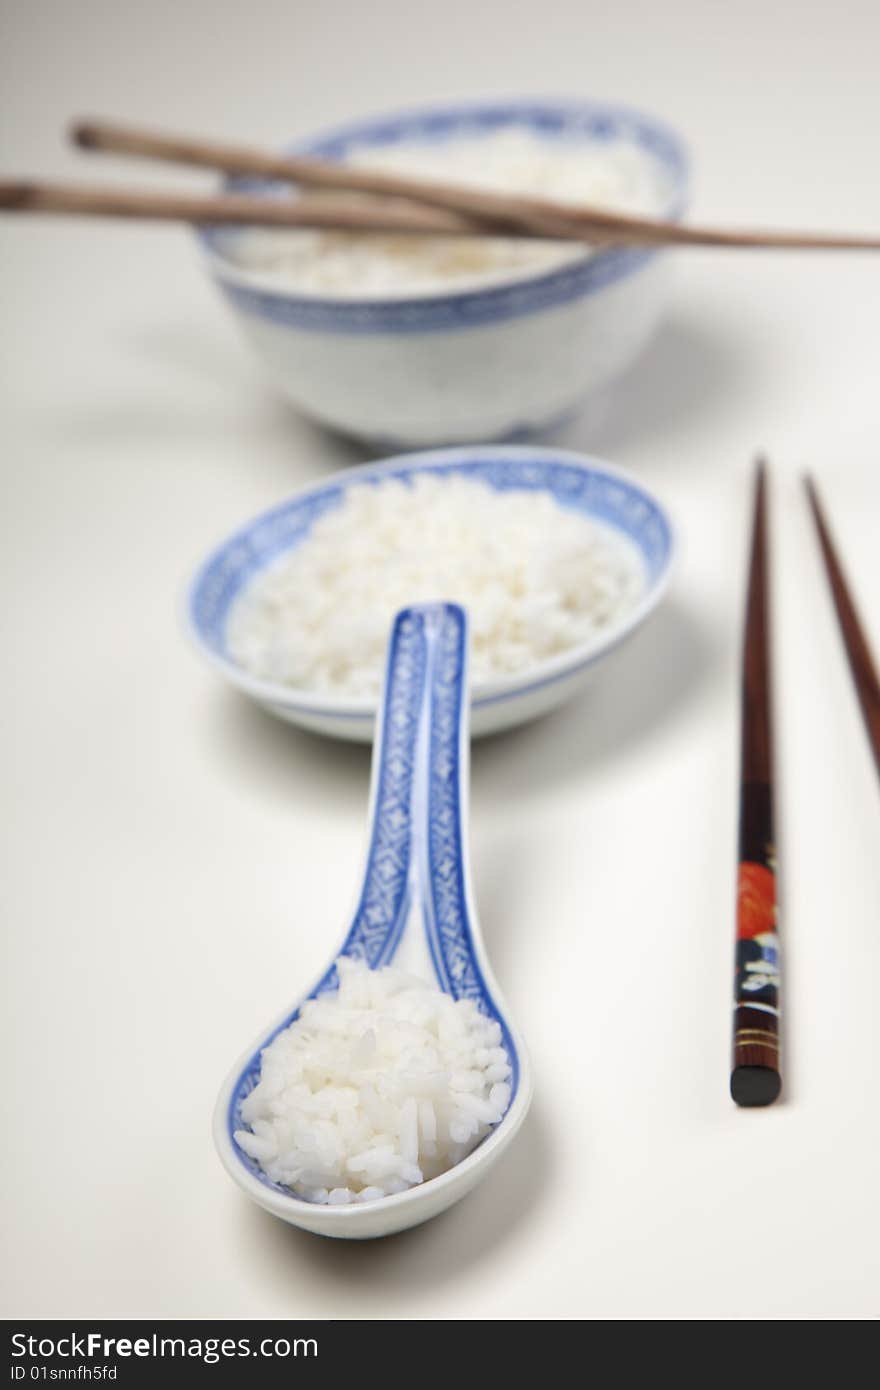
[84, 134]
[16, 194]
[752, 1086]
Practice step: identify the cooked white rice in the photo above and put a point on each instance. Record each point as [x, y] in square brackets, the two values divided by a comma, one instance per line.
[616, 174]
[376, 1087]
[536, 579]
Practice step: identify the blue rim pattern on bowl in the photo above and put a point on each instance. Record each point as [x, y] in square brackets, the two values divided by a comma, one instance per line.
[574, 483]
[469, 308]
[384, 904]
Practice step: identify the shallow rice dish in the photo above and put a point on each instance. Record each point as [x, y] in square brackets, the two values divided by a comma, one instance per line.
[536, 580]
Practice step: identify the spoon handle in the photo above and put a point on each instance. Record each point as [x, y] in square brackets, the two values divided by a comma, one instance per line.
[448, 918]
[417, 872]
[386, 892]
[451, 926]
[423, 692]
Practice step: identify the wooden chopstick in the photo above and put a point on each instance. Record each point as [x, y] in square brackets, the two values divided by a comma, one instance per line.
[755, 1077]
[861, 661]
[327, 213]
[498, 212]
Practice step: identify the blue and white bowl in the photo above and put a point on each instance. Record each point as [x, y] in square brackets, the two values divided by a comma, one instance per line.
[574, 483]
[500, 360]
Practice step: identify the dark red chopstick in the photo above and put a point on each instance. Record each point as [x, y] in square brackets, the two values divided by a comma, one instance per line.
[755, 1077]
[861, 662]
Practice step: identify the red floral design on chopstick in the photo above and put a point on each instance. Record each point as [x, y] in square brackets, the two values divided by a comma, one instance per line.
[756, 901]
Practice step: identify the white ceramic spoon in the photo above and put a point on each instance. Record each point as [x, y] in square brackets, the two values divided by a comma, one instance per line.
[415, 908]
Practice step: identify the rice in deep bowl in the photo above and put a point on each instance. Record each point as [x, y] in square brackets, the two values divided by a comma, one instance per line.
[615, 175]
[536, 579]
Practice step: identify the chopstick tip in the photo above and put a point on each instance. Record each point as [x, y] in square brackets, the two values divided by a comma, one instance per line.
[812, 492]
[760, 481]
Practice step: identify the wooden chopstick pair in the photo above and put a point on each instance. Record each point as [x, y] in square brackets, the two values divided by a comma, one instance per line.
[756, 1077]
[407, 205]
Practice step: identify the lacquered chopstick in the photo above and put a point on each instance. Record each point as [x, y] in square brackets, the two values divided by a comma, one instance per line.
[755, 1077]
[498, 212]
[861, 661]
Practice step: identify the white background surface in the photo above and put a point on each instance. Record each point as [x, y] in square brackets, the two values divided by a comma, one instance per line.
[178, 866]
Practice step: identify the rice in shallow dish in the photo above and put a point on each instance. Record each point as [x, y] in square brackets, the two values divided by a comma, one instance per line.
[535, 578]
[376, 1087]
